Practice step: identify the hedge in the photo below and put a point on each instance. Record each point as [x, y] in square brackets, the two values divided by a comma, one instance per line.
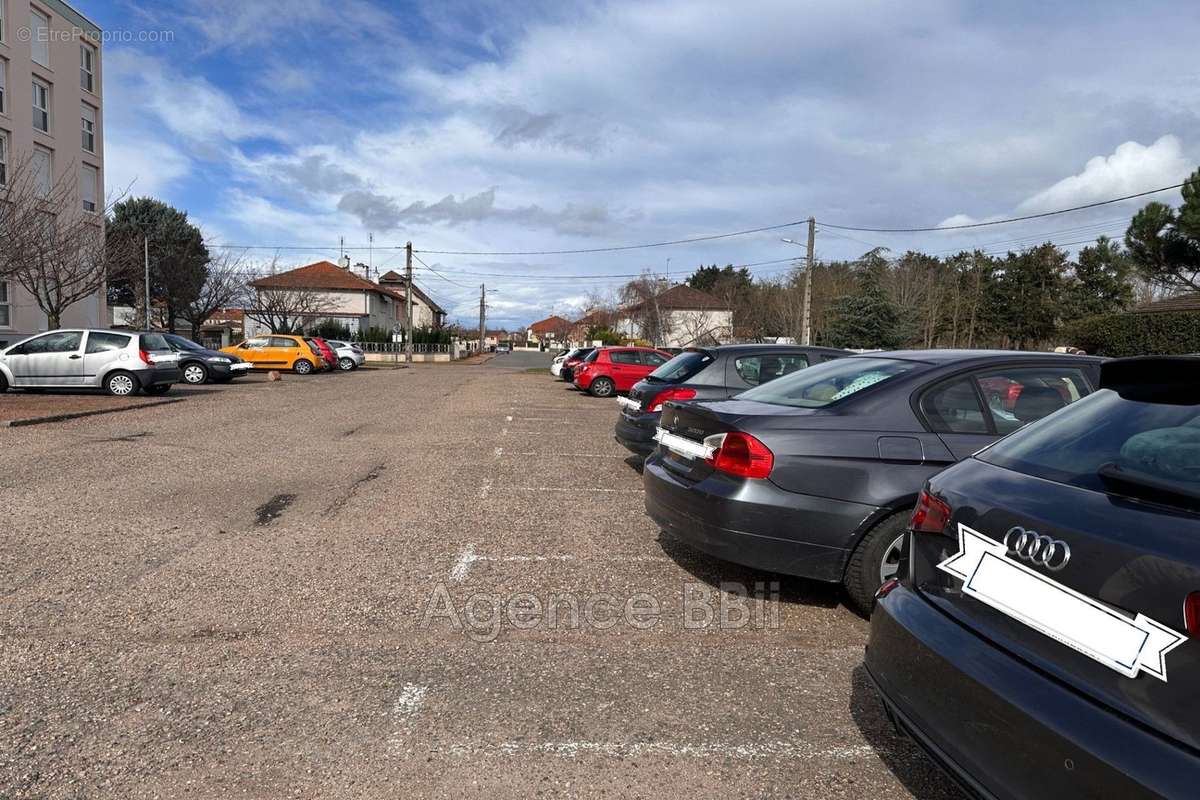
[1158, 333]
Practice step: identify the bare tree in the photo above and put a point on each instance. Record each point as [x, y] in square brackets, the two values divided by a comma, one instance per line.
[640, 300]
[224, 286]
[286, 309]
[53, 246]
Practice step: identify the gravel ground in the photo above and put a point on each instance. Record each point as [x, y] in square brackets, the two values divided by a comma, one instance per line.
[290, 589]
[16, 405]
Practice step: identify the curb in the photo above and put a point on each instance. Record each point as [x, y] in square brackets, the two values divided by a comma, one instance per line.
[22, 423]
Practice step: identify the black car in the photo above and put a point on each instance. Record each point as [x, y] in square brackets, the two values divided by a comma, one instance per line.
[1041, 641]
[199, 364]
[707, 373]
[814, 474]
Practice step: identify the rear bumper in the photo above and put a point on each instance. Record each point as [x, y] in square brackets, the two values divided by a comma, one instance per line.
[755, 523]
[637, 434]
[159, 376]
[1003, 729]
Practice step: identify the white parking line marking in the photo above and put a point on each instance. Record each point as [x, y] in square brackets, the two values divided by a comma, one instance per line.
[575, 490]
[407, 704]
[499, 452]
[463, 565]
[485, 489]
[770, 749]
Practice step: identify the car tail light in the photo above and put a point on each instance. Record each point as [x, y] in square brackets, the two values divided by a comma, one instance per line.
[887, 587]
[662, 397]
[1191, 614]
[145, 357]
[742, 455]
[930, 515]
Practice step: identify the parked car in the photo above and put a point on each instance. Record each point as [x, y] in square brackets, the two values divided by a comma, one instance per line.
[707, 373]
[1042, 641]
[350, 356]
[608, 370]
[567, 373]
[119, 362]
[198, 364]
[559, 359]
[278, 351]
[322, 348]
[814, 474]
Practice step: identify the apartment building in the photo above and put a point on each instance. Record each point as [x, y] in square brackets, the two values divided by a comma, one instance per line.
[50, 111]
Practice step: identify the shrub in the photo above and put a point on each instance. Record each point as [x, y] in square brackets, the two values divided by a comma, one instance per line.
[1115, 335]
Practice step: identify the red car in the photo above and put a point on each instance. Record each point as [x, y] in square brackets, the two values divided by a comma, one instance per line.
[608, 370]
[575, 358]
[322, 348]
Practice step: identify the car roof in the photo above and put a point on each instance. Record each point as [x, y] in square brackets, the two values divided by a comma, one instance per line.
[795, 348]
[956, 356]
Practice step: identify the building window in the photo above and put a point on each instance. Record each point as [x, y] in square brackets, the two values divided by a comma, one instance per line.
[41, 106]
[5, 306]
[43, 171]
[3, 21]
[39, 37]
[3, 82]
[3, 158]
[88, 121]
[87, 68]
[89, 187]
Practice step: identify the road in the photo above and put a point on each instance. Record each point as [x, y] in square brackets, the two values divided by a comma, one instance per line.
[291, 589]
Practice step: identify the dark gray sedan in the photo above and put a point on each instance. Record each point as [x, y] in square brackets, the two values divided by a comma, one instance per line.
[816, 473]
[200, 364]
[707, 373]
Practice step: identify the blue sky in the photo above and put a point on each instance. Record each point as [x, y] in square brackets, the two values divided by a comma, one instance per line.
[485, 125]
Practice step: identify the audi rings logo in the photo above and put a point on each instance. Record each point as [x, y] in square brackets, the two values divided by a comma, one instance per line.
[1031, 546]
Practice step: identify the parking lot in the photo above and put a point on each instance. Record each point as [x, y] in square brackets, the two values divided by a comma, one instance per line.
[440, 583]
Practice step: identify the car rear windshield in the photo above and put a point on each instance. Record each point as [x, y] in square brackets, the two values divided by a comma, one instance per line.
[828, 383]
[1109, 444]
[682, 367]
[592, 356]
[154, 341]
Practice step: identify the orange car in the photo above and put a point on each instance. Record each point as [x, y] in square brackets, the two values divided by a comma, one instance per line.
[277, 351]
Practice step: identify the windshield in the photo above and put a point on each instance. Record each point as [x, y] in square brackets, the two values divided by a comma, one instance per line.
[682, 367]
[1105, 443]
[184, 344]
[827, 383]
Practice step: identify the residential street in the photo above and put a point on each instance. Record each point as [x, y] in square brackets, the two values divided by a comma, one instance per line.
[244, 614]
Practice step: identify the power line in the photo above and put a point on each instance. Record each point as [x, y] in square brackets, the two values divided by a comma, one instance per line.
[593, 276]
[1002, 221]
[440, 275]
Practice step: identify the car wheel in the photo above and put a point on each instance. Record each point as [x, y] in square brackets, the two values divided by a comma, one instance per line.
[303, 367]
[120, 384]
[875, 560]
[195, 374]
[603, 387]
[3, 383]
[346, 364]
[158, 388]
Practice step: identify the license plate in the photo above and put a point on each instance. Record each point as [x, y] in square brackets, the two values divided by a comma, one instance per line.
[681, 446]
[242, 366]
[628, 404]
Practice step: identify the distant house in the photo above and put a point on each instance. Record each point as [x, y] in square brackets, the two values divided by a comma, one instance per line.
[546, 332]
[426, 313]
[589, 321]
[1183, 302]
[685, 316]
[323, 292]
[224, 327]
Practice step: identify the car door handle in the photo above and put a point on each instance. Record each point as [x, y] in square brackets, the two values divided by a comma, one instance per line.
[75, 357]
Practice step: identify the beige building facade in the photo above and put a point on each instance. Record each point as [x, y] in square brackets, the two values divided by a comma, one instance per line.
[51, 116]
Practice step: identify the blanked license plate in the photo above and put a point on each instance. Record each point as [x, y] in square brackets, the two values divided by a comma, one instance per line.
[627, 404]
[681, 446]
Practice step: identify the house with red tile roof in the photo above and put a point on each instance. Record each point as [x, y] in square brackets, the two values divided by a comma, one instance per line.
[321, 292]
[426, 312]
[548, 331]
[685, 317]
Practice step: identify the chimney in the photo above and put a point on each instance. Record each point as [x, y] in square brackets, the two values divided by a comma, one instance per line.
[362, 270]
[344, 262]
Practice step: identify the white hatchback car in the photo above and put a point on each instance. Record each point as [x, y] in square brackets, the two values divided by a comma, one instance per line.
[120, 362]
[350, 356]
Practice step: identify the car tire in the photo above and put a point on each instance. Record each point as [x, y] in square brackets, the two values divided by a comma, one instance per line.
[603, 387]
[347, 364]
[876, 554]
[157, 389]
[120, 384]
[195, 373]
[303, 367]
[3, 383]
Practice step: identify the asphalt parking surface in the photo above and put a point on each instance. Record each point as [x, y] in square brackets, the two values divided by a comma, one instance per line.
[286, 590]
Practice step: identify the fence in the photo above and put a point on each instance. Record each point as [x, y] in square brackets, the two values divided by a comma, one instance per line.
[398, 347]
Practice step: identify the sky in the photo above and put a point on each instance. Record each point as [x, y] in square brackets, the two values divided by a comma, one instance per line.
[522, 125]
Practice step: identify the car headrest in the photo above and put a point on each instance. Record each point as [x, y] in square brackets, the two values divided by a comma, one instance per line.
[1036, 402]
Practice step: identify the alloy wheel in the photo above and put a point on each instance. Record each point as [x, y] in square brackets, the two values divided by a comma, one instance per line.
[889, 566]
[194, 374]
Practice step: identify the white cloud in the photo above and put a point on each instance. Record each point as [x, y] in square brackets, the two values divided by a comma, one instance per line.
[1131, 168]
[142, 167]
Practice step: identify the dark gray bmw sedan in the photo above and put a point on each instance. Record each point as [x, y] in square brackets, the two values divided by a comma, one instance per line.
[815, 474]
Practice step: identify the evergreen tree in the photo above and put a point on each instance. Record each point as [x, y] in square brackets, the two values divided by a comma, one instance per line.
[867, 319]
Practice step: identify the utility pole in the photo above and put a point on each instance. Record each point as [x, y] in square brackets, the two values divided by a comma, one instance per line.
[146, 242]
[482, 314]
[408, 293]
[805, 317]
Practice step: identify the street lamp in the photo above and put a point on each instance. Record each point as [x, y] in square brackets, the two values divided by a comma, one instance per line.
[805, 328]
